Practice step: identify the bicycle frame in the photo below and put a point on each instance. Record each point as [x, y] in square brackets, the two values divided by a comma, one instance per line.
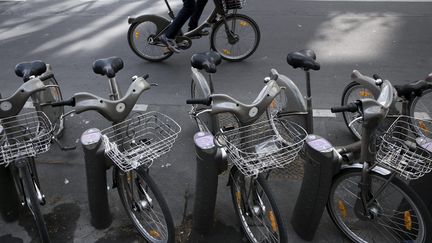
[208, 22]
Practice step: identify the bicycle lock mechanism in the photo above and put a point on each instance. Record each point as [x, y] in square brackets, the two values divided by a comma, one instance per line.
[319, 168]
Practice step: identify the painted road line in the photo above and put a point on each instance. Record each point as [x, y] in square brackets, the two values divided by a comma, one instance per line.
[316, 112]
[323, 113]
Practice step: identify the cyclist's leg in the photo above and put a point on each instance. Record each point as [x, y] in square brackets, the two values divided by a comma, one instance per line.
[194, 19]
[181, 18]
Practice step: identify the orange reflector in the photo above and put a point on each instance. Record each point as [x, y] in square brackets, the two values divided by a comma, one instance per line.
[226, 52]
[342, 209]
[273, 104]
[272, 219]
[364, 93]
[423, 126]
[407, 220]
[238, 197]
[137, 35]
[154, 233]
[129, 177]
[243, 23]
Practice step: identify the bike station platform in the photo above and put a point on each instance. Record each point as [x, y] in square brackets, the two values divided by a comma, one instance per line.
[67, 214]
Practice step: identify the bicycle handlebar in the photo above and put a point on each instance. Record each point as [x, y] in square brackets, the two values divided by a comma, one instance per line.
[351, 107]
[206, 101]
[69, 102]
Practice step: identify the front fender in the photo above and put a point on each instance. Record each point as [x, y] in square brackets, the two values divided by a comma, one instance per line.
[294, 101]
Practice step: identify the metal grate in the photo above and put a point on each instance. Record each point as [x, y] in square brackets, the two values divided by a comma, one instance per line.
[139, 140]
[406, 147]
[24, 135]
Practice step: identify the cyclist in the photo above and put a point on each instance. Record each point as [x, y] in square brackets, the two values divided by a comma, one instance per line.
[190, 9]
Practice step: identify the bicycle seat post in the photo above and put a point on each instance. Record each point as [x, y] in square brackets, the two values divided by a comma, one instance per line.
[309, 122]
[115, 91]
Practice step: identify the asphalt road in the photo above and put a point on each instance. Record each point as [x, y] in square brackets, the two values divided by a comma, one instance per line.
[391, 38]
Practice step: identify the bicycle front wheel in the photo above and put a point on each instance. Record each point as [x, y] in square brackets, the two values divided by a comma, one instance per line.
[420, 108]
[142, 38]
[352, 92]
[396, 215]
[236, 37]
[33, 202]
[145, 205]
[256, 208]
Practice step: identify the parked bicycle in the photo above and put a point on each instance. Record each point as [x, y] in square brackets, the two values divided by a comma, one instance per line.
[24, 136]
[132, 145]
[368, 200]
[234, 36]
[255, 143]
[414, 100]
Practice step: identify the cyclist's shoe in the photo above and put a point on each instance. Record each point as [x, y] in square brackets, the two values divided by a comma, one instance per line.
[169, 43]
[200, 34]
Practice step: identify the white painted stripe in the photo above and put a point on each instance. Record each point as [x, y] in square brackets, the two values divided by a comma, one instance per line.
[323, 113]
[316, 112]
[140, 107]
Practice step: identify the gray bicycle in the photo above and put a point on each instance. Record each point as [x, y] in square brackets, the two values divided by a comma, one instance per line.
[414, 99]
[368, 199]
[132, 145]
[24, 136]
[234, 36]
[255, 142]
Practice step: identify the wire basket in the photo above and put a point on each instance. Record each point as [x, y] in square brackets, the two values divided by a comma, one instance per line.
[233, 4]
[406, 147]
[264, 145]
[24, 135]
[139, 140]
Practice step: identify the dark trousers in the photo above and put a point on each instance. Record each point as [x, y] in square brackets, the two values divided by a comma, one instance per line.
[190, 9]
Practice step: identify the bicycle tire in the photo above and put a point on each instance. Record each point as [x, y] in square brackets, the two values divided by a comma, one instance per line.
[33, 202]
[355, 129]
[54, 114]
[277, 230]
[244, 21]
[155, 24]
[420, 107]
[211, 124]
[154, 233]
[381, 225]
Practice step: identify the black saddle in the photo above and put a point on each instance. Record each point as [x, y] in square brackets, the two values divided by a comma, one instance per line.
[303, 59]
[108, 66]
[27, 69]
[412, 89]
[206, 60]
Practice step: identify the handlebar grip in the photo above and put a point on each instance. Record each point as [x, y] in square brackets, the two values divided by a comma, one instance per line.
[376, 76]
[70, 102]
[351, 107]
[205, 101]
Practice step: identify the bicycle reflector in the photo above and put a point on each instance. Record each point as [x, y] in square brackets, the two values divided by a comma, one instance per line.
[342, 208]
[407, 220]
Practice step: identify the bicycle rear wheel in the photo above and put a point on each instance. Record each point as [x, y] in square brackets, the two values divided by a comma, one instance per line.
[236, 37]
[420, 108]
[397, 214]
[145, 205]
[31, 196]
[142, 41]
[256, 208]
